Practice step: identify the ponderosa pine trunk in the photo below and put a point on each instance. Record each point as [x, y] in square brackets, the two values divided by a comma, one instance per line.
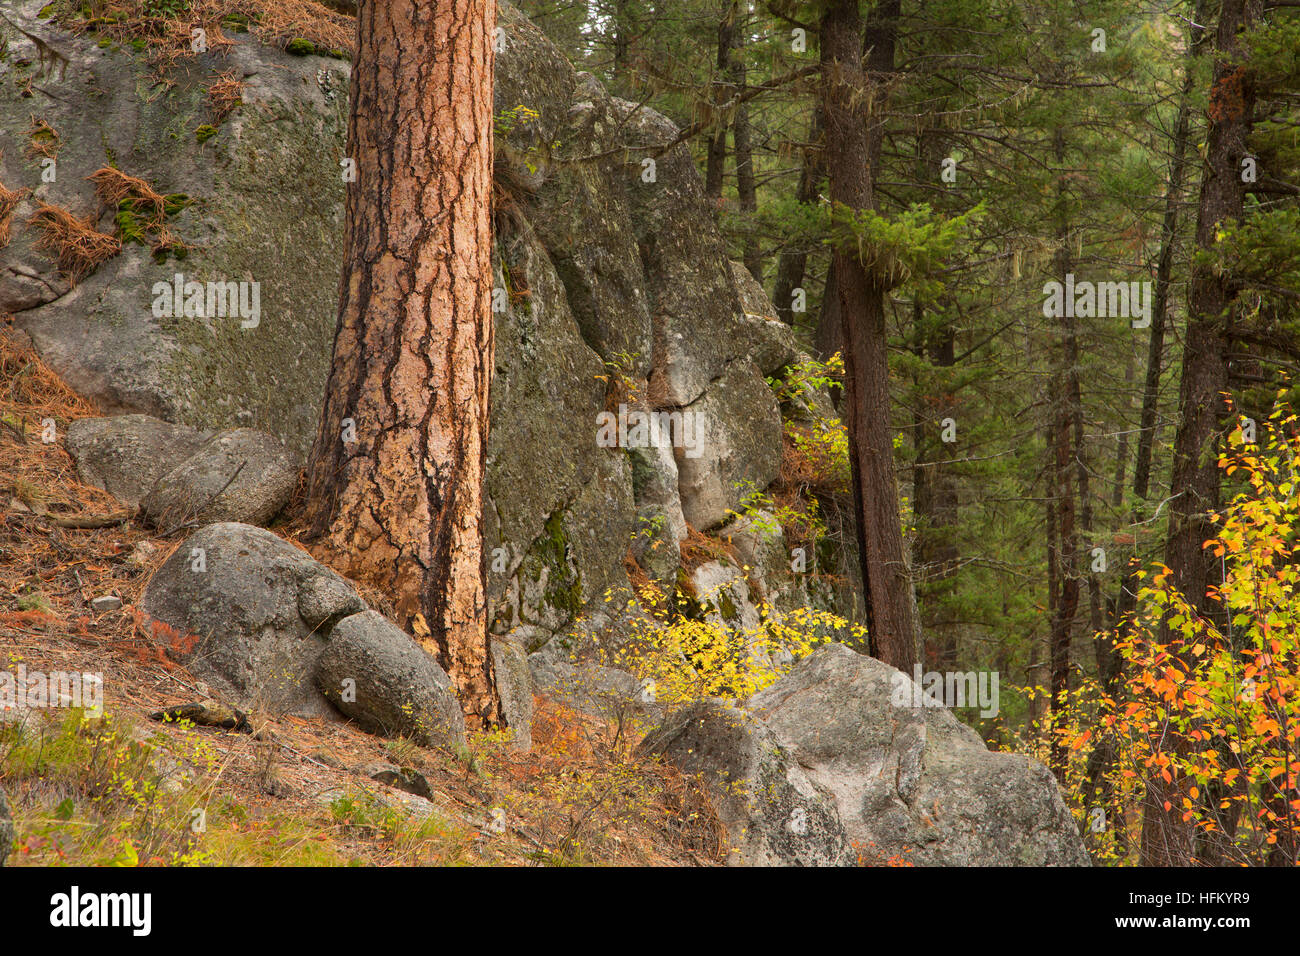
[853, 106]
[395, 479]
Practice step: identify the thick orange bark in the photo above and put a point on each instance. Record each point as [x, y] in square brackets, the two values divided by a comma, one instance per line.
[399, 505]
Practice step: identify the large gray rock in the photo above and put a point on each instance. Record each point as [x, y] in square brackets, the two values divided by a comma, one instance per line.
[904, 782]
[693, 300]
[914, 782]
[559, 511]
[268, 209]
[375, 673]
[239, 475]
[774, 814]
[580, 207]
[772, 343]
[661, 526]
[250, 614]
[127, 455]
[6, 829]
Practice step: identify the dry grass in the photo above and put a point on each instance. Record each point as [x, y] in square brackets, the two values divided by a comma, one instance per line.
[76, 244]
[113, 185]
[30, 389]
[42, 139]
[224, 95]
[9, 200]
[169, 37]
[699, 549]
[148, 208]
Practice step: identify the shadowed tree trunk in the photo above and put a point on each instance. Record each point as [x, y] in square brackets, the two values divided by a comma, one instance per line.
[395, 479]
[743, 152]
[746, 187]
[934, 501]
[716, 166]
[853, 111]
[1166, 839]
[1064, 452]
[793, 262]
[1109, 660]
[830, 334]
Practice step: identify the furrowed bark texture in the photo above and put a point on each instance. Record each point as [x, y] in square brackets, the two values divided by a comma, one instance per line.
[399, 506]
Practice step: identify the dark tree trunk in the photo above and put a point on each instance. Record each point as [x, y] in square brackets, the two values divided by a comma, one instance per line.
[746, 188]
[830, 334]
[622, 41]
[716, 165]
[934, 504]
[1109, 660]
[852, 124]
[793, 262]
[1065, 436]
[1166, 839]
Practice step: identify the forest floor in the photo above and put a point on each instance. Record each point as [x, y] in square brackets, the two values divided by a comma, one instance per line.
[124, 789]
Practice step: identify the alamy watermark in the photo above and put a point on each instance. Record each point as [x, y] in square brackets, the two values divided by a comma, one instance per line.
[1126, 300]
[632, 428]
[947, 689]
[36, 689]
[208, 300]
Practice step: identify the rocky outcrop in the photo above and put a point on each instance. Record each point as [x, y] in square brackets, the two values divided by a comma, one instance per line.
[514, 685]
[773, 343]
[774, 814]
[559, 511]
[737, 428]
[613, 267]
[870, 779]
[265, 205]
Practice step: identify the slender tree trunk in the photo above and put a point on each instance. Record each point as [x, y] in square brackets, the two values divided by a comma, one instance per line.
[934, 502]
[793, 262]
[1040, 671]
[1166, 839]
[1121, 452]
[622, 43]
[1127, 601]
[716, 165]
[1109, 661]
[743, 151]
[395, 479]
[746, 188]
[853, 114]
[1165, 268]
[1066, 562]
[1064, 456]
[830, 333]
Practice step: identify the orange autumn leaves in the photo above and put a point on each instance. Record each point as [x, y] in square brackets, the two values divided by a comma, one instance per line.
[1211, 704]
